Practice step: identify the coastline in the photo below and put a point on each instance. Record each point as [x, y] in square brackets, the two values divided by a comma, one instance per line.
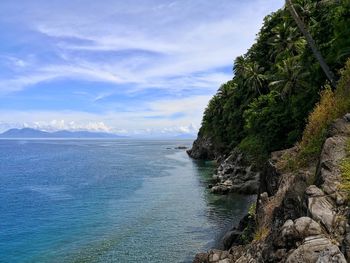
[299, 214]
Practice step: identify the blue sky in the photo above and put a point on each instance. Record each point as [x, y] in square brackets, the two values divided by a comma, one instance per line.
[131, 67]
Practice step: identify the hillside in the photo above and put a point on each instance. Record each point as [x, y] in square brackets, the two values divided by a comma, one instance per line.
[281, 129]
[276, 84]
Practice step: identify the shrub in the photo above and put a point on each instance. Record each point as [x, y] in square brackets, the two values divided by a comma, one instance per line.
[261, 234]
[318, 122]
[332, 105]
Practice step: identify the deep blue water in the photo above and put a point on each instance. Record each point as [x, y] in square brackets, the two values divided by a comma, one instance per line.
[108, 201]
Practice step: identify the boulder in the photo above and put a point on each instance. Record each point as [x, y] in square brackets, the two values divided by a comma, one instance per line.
[321, 207]
[292, 233]
[201, 258]
[220, 189]
[288, 230]
[216, 256]
[316, 249]
[305, 227]
[331, 255]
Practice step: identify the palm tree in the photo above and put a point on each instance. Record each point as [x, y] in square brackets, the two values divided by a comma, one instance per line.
[251, 75]
[290, 75]
[311, 42]
[285, 41]
[226, 89]
[239, 66]
[254, 77]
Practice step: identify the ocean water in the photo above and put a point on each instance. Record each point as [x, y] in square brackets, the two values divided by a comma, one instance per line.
[108, 201]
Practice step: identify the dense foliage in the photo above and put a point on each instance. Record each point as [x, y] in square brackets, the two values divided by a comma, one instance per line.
[278, 81]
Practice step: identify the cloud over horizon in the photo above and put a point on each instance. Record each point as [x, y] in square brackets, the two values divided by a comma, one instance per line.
[120, 66]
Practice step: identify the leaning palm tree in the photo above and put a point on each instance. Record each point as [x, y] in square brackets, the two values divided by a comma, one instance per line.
[311, 42]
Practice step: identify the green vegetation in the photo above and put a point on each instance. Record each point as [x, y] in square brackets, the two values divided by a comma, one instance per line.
[278, 82]
[249, 231]
[332, 105]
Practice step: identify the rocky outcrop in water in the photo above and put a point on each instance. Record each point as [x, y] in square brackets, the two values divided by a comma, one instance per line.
[301, 216]
[235, 174]
[203, 148]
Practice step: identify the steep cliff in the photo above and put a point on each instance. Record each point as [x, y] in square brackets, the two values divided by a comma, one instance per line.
[301, 215]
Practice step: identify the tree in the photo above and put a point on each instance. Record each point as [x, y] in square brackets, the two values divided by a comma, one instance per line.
[311, 42]
[254, 77]
[289, 76]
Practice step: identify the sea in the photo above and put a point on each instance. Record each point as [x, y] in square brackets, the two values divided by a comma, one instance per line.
[121, 200]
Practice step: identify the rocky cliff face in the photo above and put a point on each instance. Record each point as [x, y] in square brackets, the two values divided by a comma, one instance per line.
[301, 216]
[233, 175]
[203, 148]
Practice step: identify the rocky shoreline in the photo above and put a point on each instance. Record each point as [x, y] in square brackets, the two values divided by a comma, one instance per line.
[234, 173]
[300, 216]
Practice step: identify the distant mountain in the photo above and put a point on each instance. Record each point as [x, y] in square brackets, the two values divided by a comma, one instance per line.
[33, 133]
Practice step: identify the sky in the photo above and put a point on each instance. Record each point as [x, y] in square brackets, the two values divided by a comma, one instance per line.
[138, 67]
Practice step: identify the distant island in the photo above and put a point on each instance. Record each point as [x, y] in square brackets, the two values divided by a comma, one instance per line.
[34, 133]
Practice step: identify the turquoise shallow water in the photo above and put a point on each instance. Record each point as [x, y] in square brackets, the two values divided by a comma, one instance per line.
[108, 201]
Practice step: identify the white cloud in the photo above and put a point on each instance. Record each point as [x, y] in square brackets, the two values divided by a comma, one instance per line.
[55, 125]
[133, 46]
[187, 38]
[157, 115]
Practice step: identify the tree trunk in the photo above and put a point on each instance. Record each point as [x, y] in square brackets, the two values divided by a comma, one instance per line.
[311, 42]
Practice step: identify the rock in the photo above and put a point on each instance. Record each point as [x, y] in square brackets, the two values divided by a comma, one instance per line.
[201, 258]
[235, 237]
[305, 227]
[231, 237]
[331, 254]
[181, 148]
[340, 127]
[320, 207]
[270, 178]
[228, 182]
[280, 253]
[314, 191]
[297, 222]
[249, 187]
[288, 229]
[347, 117]
[264, 197]
[215, 177]
[346, 245]
[214, 255]
[315, 249]
[203, 148]
[220, 189]
[292, 233]
[224, 255]
[234, 174]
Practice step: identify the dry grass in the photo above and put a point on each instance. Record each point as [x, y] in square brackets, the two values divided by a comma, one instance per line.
[261, 234]
[345, 172]
[332, 105]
